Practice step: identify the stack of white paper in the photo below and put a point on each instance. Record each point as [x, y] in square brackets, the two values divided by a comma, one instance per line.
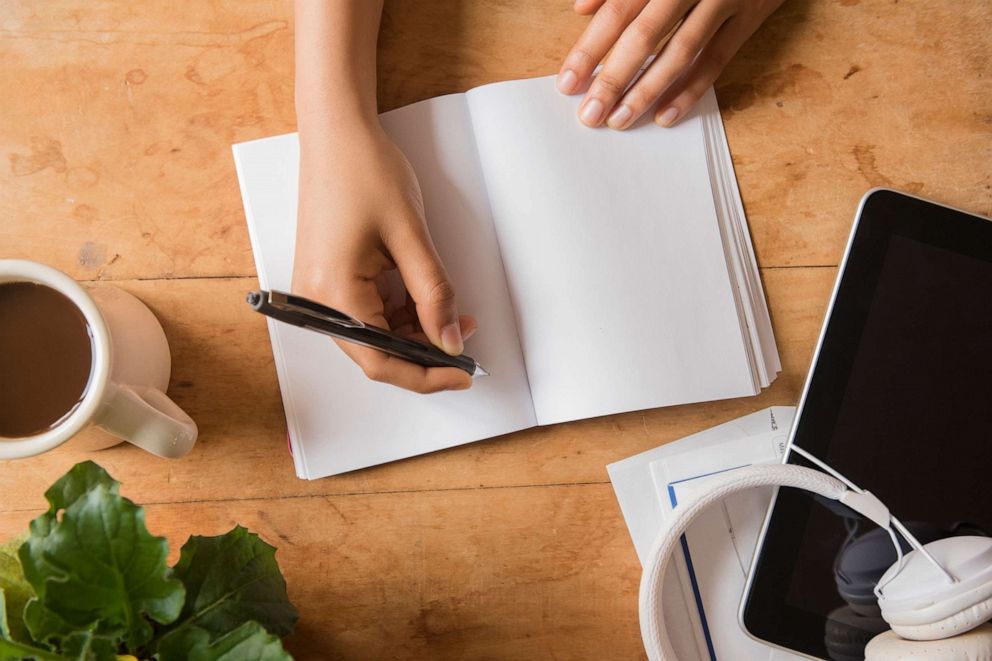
[609, 272]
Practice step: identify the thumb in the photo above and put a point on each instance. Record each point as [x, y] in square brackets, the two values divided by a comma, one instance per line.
[428, 285]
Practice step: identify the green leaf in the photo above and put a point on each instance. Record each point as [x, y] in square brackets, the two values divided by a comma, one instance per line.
[97, 568]
[92, 581]
[87, 646]
[67, 490]
[10, 650]
[249, 642]
[17, 591]
[45, 627]
[232, 579]
[80, 480]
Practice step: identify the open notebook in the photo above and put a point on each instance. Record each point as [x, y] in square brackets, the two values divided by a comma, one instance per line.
[609, 272]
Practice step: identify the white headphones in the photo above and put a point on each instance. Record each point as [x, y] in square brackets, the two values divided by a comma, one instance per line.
[934, 592]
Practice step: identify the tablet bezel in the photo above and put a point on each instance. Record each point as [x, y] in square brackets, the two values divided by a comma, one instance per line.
[882, 213]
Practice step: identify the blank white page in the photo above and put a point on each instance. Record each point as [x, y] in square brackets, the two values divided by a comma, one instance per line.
[339, 420]
[613, 256]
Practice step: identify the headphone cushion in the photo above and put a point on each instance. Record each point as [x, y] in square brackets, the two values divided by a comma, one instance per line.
[975, 645]
[953, 625]
[920, 605]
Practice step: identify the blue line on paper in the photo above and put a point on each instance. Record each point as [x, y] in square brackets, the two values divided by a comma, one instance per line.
[688, 558]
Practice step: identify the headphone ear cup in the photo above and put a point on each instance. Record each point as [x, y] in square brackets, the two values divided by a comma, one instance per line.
[861, 563]
[975, 645]
[952, 625]
[921, 604]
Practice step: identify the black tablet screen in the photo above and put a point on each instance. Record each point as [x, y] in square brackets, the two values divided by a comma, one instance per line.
[900, 402]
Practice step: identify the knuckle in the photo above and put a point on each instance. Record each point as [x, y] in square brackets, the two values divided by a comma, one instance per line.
[375, 369]
[615, 10]
[641, 96]
[608, 84]
[645, 32]
[441, 292]
[581, 58]
[682, 50]
[423, 388]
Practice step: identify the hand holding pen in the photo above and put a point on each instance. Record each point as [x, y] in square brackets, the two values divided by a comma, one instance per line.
[360, 211]
[304, 313]
[361, 217]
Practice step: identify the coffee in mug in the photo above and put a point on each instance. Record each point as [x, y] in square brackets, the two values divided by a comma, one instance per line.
[45, 358]
[72, 357]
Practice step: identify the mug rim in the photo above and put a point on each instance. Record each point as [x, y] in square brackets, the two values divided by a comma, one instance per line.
[23, 270]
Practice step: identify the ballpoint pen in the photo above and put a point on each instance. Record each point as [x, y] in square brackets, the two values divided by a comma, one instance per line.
[314, 316]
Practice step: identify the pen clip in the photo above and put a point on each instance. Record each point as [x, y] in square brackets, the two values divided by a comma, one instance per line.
[300, 305]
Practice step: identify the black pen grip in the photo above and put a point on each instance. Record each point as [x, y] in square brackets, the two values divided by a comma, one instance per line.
[381, 339]
[407, 348]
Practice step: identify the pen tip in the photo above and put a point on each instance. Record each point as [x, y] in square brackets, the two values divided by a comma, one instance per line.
[480, 370]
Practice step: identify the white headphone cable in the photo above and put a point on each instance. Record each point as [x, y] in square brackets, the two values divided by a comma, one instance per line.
[894, 522]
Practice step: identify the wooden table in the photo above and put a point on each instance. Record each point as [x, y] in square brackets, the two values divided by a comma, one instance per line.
[115, 132]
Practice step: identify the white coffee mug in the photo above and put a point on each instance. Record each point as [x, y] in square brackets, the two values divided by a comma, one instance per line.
[125, 395]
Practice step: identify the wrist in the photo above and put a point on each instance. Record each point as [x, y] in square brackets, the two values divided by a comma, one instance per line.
[334, 104]
[337, 130]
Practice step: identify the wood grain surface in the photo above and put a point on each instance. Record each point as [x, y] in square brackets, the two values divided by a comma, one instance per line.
[115, 134]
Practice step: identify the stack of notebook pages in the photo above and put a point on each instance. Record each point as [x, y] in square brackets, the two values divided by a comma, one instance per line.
[609, 272]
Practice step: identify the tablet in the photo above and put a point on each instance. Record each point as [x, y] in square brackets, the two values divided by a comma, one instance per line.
[899, 400]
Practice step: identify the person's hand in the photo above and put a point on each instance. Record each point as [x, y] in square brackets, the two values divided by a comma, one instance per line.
[707, 33]
[360, 216]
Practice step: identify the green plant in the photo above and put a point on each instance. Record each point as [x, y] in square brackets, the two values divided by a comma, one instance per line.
[91, 583]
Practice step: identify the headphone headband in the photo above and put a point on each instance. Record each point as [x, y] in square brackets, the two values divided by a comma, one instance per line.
[653, 632]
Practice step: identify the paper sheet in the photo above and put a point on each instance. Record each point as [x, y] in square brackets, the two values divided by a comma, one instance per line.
[346, 420]
[613, 255]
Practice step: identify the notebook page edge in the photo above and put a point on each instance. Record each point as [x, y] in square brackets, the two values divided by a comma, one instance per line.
[769, 346]
[297, 451]
[707, 108]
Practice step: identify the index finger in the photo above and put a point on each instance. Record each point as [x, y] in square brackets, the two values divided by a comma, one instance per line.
[361, 298]
[385, 368]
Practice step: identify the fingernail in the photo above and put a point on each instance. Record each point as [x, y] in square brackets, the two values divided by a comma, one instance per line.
[668, 117]
[567, 81]
[470, 332]
[620, 117]
[451, 339]
[591, 113]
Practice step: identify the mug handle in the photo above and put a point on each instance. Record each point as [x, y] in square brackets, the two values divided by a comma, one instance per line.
[147, 418]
